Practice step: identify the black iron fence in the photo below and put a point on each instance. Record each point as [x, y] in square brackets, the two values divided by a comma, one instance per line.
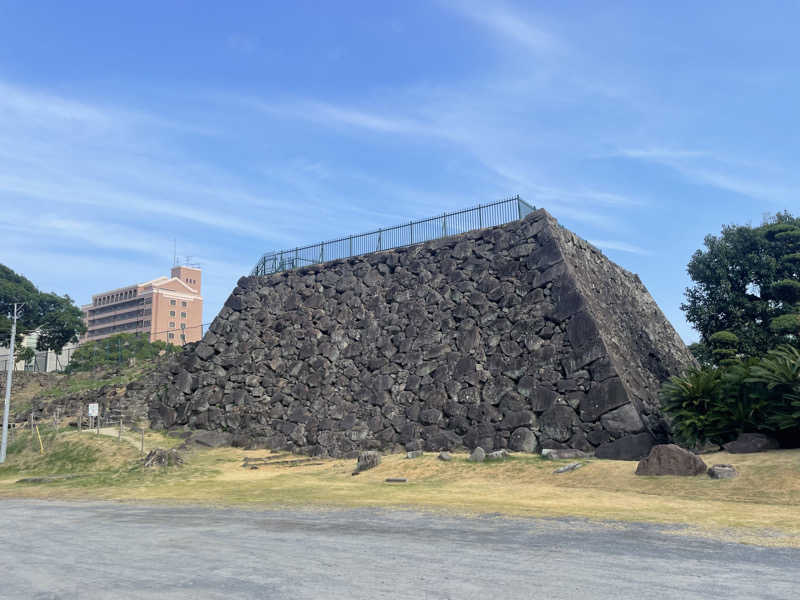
[415, 232]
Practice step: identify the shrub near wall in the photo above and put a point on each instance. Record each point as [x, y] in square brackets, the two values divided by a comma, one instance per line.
[716, 404]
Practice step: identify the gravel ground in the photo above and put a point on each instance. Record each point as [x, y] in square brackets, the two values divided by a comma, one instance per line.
[57, 550]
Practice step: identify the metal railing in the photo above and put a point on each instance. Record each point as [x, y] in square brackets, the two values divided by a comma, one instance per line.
[415, 232]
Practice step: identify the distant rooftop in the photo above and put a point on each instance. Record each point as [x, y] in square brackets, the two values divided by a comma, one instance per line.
[408, 234]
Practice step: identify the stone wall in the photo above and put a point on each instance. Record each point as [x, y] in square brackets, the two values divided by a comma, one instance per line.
[519, 336]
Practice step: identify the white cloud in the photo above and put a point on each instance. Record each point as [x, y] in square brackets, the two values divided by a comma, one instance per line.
[509, 24]
[621, 246]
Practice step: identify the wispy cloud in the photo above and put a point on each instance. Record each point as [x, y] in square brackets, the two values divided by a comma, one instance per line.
[509, 23]
[751, 178]
[621, 246]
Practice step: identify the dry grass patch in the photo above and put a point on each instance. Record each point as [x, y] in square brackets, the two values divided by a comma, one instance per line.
[762, 505]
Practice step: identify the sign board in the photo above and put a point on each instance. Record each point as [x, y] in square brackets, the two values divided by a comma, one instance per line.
[94, 409]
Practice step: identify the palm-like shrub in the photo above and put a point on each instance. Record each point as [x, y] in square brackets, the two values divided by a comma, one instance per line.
[753, 395]
[779, 371]
[689, 403]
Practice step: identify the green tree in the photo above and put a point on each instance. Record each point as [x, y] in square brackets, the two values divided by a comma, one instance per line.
[57, 317]
[117, 350]
[746, 284]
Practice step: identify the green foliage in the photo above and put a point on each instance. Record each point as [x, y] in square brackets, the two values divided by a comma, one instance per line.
[744, 279]
[786, 325]
[24, 354]
[117, 350]
[748, 395]
[786, 290]
[57, 317]
[724, 347]
[688, 400]
[779, 371]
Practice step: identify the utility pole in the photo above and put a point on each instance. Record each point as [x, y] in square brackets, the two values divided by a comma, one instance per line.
[15, 316]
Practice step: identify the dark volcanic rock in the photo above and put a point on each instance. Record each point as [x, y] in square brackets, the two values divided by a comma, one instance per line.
[747, 443]
[670, 459]
[367, 460]
[630, 447]
[518, 336]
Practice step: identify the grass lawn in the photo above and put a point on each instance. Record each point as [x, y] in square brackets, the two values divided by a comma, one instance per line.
[762, 505]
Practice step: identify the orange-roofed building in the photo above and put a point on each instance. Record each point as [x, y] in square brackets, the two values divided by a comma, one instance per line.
[167, 308]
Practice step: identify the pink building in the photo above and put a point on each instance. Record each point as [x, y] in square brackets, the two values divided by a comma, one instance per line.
[166, 308]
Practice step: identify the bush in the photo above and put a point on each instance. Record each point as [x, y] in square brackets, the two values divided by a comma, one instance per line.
[716, 404]
[117, 350]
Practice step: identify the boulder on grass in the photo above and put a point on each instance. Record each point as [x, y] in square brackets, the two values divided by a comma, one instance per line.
[563, 453]
[722, 472]
[478, 455]
[751, 442]
[445, 456]
[159, 457]
[670, 459]
[367, 460]
[497, 455]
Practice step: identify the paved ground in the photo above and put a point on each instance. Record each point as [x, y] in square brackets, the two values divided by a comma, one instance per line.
[103, 550]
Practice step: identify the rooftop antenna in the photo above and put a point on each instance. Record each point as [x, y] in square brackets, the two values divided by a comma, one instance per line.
[174, 252]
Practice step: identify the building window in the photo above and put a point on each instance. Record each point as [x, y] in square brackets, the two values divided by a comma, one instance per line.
[183, 325]
[170, 336]
[183, 338]
[172, 324]
[184, 303]
[183, 315]
[172, 313]
[172, 302]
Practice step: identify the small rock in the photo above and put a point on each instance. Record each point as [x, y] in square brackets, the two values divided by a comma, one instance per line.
[478, 455]
[562, 453]
[367, 460]
[414, 454]
[706, 448]
[751, 442]
[722, 472]
[568, 468]
[497, 455]
[445, 456]
[158, 457]
[671, 459]
[396, 480]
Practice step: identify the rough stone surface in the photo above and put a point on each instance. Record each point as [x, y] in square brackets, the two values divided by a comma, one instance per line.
[414, 454]
[722, 472]
[563, 453]
[497, 455]
[467, 341]
[747, 443]
[671, 459]
[523, 440]
[568, 468]
[478, 455]
[630, 447]
[367, 460]
[445, 456]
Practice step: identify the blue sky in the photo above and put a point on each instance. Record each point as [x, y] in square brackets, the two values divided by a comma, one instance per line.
[235, 128]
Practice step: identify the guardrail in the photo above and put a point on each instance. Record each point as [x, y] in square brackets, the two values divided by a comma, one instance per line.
[414, 232]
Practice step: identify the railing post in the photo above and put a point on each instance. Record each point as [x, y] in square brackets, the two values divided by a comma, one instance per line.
[411, 227]
[296, 256]
[379, 239]
[351, 245]
[480, 218]
[519, 208]
[444, 225]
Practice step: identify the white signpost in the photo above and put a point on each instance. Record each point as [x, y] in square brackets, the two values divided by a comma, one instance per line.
[94, 411]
